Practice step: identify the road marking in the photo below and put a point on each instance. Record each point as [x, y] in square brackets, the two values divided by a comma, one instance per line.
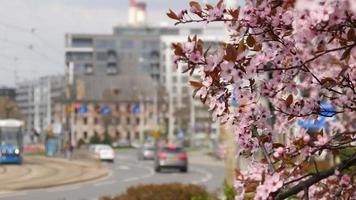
[105, 183]
[123, 167]
[206, 178]
[69, 188]
[131, 179]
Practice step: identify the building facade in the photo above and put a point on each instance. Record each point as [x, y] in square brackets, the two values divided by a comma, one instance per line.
[100, 65]
[8, 105]
[8, 92]
[36, 100]
[188, 114]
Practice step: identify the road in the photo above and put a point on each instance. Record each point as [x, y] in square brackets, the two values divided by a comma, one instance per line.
[125, 172]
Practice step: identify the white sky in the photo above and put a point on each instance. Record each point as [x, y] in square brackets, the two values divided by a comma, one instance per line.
[32, 31]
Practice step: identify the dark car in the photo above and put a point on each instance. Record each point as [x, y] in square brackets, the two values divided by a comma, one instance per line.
[146, 153]
[171, 157]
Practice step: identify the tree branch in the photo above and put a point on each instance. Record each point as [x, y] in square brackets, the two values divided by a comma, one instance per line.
[316, 178]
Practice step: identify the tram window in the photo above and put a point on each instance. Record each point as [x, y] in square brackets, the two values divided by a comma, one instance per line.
[9, 136]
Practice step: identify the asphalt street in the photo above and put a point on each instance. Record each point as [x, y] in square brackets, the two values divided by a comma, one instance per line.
[126, 171]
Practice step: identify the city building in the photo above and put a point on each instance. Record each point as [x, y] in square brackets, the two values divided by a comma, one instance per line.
[8, 105]
[187, 114]
[124, 107]
[8, 92]
[36, 100]
[100, 66]
[104, 61]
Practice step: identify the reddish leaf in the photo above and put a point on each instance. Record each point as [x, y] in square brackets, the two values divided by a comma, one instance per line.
[231, 53]
[346, 54]
[234, 13]
[209, 7]
[351, 35]
[196, 6]
[241, 47]
[276, 145]
[219, 4]
[250, 41]
[289, 100]
[178, 50]
[172, 15]
[327, 82]
[196, 84]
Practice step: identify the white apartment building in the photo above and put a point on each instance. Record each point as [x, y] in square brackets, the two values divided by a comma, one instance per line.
[36, 101]
[186, 114]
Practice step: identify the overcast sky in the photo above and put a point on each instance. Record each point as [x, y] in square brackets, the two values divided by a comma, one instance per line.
[32, 31]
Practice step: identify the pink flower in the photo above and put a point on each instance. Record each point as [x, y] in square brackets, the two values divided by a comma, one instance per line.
[214, 60]
[306, 138]
[228, 71]
[216, 13]
[345, 180]
[195, 57]
[279, 152]
[322, 140]
[262, 193]
[202, 92]
[274, 182]
[188, 47]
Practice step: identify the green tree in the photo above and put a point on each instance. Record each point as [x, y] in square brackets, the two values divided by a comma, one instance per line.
[95, 139]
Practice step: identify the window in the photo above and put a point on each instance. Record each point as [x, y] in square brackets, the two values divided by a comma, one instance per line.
[137, 121]
[96, 120]
[128, 120]
[85, 120]
[82, 42]
[82, 56]
[89, 69]
[85, 135]
[112, 69]
[105, 44]
[118, 121]
[118, 135]
[101, 56]
[127, 44]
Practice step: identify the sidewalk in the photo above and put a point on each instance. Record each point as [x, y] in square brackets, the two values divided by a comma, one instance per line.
[42, 172]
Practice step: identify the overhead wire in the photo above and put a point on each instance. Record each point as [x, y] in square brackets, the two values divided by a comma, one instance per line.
[31, 47]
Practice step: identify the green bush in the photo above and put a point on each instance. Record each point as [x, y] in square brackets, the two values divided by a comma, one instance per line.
[81, 142]
[107, 139]
[229, 192]
[95, 139]
[171, 191]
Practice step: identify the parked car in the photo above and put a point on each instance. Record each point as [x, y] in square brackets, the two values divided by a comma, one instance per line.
[103, 151]
[171, 157]
[146, 152]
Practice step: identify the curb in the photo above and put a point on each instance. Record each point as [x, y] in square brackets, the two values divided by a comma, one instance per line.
[101, 172]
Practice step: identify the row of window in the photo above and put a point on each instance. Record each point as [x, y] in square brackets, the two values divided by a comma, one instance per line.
[115, 121]
[111, 69]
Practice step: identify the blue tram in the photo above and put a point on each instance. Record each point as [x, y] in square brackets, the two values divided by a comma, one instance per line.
[11, 134]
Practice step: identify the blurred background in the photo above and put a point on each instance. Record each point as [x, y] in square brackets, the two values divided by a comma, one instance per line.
[87, 81]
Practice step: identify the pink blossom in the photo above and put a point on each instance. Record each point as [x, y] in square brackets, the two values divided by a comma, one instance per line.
[216, 13]
[202, 92]
[262, 193]
[228, 71]
[321, 140]
[274, 182]
[345, 180]
[195, 57]
[188, 47]
[279, 152]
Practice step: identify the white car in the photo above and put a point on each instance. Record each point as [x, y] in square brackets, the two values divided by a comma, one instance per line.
[103, 151]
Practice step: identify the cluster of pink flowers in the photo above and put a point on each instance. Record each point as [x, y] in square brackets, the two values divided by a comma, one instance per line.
[281, 63]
